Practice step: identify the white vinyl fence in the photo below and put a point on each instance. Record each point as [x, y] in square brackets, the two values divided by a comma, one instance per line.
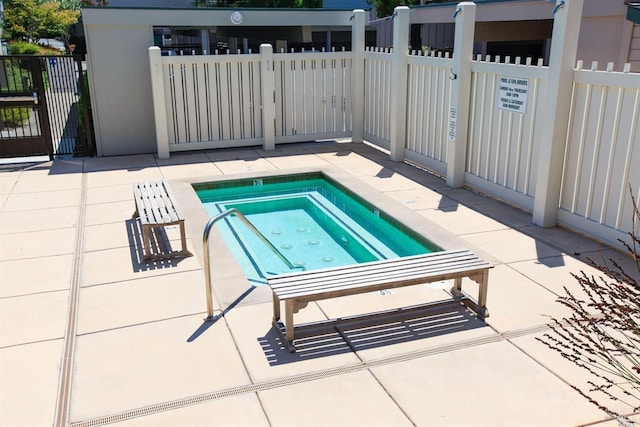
[558, 141]
[500, 151]
[312, 96]
[218, 101]
[602, 156]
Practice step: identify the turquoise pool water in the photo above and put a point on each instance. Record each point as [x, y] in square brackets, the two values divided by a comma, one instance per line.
[312, 221]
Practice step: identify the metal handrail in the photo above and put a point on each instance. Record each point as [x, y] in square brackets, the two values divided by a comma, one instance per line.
[207, 261]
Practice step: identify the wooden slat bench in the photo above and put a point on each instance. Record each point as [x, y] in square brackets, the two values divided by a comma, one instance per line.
[296, 290]
[156, 207]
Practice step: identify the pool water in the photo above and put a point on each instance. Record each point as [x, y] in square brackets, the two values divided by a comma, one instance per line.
[311, 220]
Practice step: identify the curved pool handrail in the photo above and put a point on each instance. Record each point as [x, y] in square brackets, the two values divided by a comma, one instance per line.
[207, 261]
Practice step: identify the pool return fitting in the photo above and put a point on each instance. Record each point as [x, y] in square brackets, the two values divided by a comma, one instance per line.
[207, 261]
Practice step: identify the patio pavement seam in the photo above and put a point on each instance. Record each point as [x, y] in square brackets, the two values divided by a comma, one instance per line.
[307, 377]
[66, 372]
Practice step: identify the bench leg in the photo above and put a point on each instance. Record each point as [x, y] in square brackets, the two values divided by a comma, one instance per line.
[183, 238]
[457, 283]
[276, 308]
[482, 294]
[288, 321]
[146, 241]
[479, 306]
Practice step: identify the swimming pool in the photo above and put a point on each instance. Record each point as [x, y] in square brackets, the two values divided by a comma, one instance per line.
[311, 219]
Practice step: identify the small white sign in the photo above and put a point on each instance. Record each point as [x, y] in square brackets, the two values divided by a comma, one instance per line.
[512, 94]
[453, 116]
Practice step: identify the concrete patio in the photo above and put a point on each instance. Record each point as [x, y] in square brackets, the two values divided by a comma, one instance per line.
[90, 335]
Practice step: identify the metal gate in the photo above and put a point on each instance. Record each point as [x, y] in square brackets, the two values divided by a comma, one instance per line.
[44, 107]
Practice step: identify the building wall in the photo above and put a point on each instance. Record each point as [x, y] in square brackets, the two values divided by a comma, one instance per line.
[118, 40]
[120, 88]
[604, 39]
[634, 50]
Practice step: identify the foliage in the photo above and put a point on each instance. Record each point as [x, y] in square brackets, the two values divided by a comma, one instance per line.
[602, 335]
[32, 20]
[23, 48]
[260, 3]
[385, 7]
[14, 116]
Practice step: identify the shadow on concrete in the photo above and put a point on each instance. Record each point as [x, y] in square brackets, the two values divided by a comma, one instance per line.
[159, 244]
[339, 336]
[208, 323]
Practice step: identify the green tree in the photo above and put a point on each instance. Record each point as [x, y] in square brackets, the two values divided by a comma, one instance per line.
[385, 7]
[260, 3]
[32, 20]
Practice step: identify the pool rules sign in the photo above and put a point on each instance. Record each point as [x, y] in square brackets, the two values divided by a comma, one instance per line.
[512, 94]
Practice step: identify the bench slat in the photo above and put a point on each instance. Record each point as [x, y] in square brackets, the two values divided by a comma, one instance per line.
[428, 264]
[444, 256]
[371, 285]
[401, 278]
[156, 204]
[299, 288]
[390, 271]
[157, 207]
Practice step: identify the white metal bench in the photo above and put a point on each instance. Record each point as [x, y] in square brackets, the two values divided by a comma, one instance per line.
[156, 207]
[296, 290]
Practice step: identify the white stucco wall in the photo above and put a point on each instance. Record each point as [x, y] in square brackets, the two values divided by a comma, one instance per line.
[118, 40]
[121, 88]
[604, 39]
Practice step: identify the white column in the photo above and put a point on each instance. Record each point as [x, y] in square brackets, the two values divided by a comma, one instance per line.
[552, 136]
[204, 41]
[399, 63]
[268, 105]
[460, 75]
[357, 73]
[159, 102]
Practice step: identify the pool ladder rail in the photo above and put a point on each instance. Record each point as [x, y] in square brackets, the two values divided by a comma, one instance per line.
[207, 261]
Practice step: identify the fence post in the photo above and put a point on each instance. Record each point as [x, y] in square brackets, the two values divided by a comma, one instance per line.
[268, 105]
[460, 75]
[159, 103]
[552, 136]
[357, 73]
[400, 60]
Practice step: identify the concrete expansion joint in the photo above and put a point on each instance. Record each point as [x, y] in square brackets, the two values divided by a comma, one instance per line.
[66, 371]
[306, 377]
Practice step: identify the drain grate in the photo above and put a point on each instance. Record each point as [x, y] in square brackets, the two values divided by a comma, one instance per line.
[235, 391]
[298, 379]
